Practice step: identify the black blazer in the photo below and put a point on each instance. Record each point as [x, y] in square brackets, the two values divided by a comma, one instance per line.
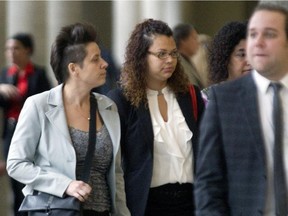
[137, 145]
[231, 165]
[37, 82]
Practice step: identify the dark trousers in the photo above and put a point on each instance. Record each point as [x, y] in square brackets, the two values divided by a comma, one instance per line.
[171, 200]
[15, 185]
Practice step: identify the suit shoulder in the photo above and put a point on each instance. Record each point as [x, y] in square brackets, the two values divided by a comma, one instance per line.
[117, 95]
[233, 85]
[119, 98]
[39, 97]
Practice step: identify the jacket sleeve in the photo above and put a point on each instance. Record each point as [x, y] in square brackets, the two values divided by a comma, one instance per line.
[28, 158]
[211, 183]
[121, 206]
[122, 209]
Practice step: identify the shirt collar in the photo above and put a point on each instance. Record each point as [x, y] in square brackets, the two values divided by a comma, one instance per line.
[263, 83]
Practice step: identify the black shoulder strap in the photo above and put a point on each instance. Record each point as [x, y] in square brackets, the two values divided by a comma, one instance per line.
[91, 140]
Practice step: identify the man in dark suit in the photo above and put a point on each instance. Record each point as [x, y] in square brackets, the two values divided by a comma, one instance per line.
[235, 172]
[19, 80]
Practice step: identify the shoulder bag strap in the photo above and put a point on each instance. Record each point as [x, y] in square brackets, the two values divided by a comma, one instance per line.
[91, 140]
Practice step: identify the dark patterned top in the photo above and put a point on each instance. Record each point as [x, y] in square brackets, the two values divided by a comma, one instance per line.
[99, 199]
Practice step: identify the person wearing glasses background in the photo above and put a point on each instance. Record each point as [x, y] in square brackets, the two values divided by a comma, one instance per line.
[186, 38]
[158, 130]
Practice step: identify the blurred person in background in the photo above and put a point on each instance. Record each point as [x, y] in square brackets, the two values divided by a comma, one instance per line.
[227, 55]
[186, 38]
[200, 59]
[21, 79]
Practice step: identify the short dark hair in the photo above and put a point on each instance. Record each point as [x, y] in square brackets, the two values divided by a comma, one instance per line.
[221, 48]
[25, 39]
[276, 7]
[69, 46]
[181, 32]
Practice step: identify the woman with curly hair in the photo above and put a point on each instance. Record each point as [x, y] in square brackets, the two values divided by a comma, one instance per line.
[159, 131]
[227, 54]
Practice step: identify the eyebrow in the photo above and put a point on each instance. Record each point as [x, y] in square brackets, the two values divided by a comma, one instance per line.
[165, 50]
[95, 55]
[265, 29]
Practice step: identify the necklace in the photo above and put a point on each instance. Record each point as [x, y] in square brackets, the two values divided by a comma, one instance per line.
[88, 118]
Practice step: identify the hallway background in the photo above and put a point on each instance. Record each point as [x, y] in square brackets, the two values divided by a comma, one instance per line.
[114, 21]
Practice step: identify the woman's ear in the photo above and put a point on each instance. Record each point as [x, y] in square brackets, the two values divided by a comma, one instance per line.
[72, 67]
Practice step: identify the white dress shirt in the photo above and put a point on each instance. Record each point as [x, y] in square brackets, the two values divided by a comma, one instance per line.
[173, 156]
[265, 100]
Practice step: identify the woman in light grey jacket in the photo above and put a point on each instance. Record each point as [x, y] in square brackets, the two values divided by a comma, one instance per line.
[50, 141]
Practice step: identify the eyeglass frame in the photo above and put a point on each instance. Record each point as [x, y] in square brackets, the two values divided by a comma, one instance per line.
[166, 54]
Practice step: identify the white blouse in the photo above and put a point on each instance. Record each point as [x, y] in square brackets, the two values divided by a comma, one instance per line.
[173, 156]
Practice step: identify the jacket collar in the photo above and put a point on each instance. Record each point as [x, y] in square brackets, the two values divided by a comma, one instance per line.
[55, 98]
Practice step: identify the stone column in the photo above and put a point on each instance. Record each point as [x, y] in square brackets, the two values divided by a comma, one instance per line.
[3, 33]
[167, 11]
[29, 17]
[126, 14]
[59, 14]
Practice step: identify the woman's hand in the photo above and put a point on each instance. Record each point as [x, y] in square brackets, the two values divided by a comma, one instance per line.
[79, 189]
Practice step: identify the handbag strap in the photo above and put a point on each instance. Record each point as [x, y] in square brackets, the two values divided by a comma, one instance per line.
[91, 139]
[194, 101]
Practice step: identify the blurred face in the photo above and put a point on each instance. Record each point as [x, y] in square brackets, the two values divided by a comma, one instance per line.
[267, 47]
[93, 70]
[190, 45]
[161, 69]
[238, 64]
[16, 53]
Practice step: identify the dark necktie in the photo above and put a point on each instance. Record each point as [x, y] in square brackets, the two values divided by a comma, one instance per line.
[279, 173]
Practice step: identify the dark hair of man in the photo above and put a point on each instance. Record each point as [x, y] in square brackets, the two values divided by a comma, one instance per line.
[70, 47]
[221, 48]
[181, 32]
[276, 7]
[25, 39]
[135, 67]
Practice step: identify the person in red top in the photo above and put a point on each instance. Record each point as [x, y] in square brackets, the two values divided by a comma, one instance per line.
[19, 80]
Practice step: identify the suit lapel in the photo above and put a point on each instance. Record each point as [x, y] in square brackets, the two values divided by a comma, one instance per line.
[145, 126]
[56, 113]
[249, 105]
[111, 120]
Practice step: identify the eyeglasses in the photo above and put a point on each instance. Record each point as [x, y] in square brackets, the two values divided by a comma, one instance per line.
[163, 55]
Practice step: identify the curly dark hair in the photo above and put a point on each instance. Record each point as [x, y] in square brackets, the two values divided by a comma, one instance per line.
[221, 48]
[134, 71]
[69, 46]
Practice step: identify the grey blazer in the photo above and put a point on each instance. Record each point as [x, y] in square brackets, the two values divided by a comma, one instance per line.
[42, 155]
[231, 167]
